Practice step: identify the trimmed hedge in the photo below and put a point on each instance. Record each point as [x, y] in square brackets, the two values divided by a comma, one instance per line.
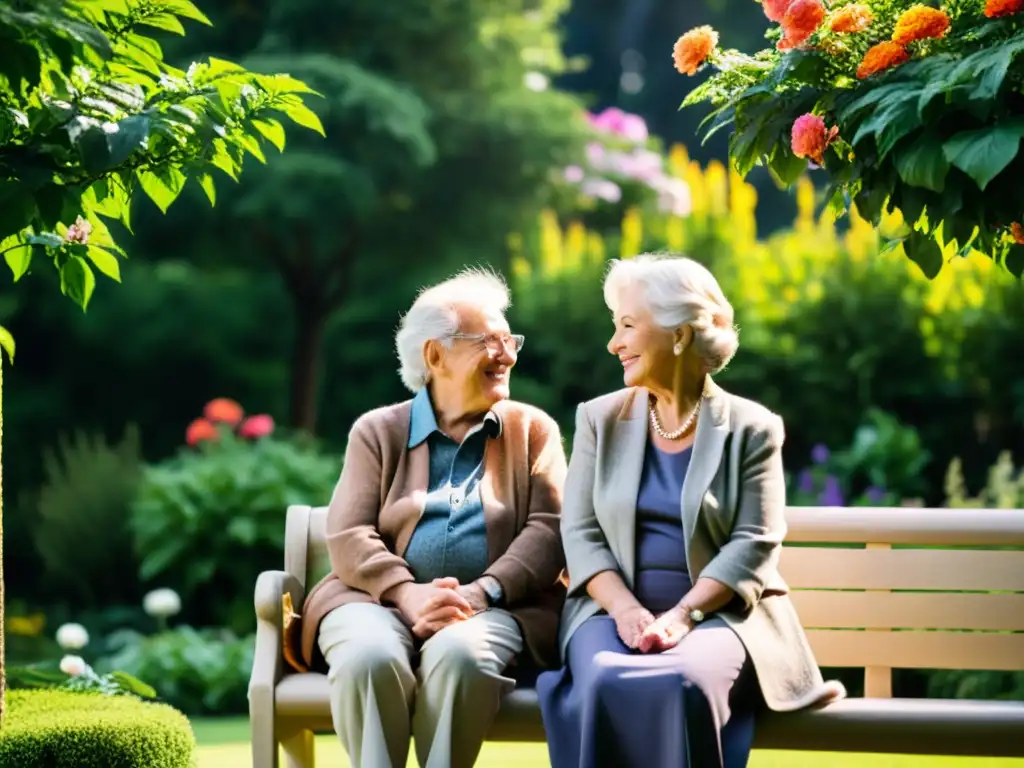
[62, 729]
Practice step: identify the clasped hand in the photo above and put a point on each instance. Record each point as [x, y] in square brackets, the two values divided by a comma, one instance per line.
[640, 630]
[429, 608]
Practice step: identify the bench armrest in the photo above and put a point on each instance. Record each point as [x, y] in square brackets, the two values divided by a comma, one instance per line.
[268, 659]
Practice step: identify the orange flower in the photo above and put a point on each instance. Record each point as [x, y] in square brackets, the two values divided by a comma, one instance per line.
[692, 49]
[200, 430]
[880, 57]
[224, 410]
[851, 19]
[1017, 230]
[802, 20]
[920, 22]
[775, 10]
[995, 9]
[811, 138]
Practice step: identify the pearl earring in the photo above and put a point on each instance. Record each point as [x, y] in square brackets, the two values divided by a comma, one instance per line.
[678, 348]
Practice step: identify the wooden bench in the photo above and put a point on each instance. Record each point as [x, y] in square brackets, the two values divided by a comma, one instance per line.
[877, 589]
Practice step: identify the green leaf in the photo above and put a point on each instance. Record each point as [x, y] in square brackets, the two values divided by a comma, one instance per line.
[205, 181]
[272, 131]
[132, 684]
[925, 252]
[77, 281]
[785, 166]
[187, 10]
[106, 262]
[982, 154]
[164, 21]
[923, 164]
[18, 258]
[7, 343]
[127, 136]
[163, 185]
[302, 115]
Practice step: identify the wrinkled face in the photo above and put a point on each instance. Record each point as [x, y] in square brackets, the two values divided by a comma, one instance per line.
[643, 347]
[480, 367]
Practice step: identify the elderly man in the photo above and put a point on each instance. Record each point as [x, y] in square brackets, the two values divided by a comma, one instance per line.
[444, 541]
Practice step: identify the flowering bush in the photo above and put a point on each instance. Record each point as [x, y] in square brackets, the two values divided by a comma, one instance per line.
[208, 520]
[905, 107]
[623, 165]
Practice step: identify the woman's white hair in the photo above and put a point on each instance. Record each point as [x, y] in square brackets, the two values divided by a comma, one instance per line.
[680, 291]
[434, 316]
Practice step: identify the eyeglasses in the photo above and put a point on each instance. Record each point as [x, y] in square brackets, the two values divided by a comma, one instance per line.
[495, 342]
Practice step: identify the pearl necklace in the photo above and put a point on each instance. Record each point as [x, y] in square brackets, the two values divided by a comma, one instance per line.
[682, 429]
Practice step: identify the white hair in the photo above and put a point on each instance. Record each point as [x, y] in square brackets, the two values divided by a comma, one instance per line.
[680, 291]
[434, 316]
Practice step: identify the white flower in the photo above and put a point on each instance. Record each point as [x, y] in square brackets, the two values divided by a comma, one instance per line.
[536, 81]
[161, 603]
[73, 666]
[71, 637]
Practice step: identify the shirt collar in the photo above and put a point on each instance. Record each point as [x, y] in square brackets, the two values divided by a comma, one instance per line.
[423, 422]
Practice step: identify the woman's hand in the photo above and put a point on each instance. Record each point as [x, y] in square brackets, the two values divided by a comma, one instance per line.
[630, 623]
[669, 629]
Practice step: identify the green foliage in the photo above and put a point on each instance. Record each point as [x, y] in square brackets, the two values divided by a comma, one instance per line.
[90, 111]
[59, 729]
[1004, 489]
[83, 530]
[216, 514]
[114, 683]
[203, 672]
[937, 138]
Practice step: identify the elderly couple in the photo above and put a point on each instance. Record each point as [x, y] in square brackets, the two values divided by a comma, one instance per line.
[456, 520]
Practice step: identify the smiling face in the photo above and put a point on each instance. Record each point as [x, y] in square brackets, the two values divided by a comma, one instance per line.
[643, 347]
[478, 370]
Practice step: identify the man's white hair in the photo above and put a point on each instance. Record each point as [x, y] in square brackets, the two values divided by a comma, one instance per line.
[434, 316]
[680, 291]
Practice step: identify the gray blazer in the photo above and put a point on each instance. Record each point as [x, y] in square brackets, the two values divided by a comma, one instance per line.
[733, 508]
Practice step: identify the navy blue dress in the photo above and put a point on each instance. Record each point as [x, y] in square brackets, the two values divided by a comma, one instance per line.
[692, 706]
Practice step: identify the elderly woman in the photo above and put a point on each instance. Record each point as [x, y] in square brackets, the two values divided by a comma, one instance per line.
[443, 535]
[677, 624]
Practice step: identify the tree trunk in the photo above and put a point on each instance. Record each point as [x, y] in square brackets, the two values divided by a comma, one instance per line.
[3, 678]
[309, 340]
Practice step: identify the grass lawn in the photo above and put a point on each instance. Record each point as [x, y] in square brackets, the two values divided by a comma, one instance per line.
[224, 744]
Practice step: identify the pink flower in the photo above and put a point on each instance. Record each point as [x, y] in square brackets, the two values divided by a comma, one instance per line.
[256, 426]
[79, 231]
[811, 138]
[595, 155]
[573, 174]
[602, 189]
[614, 120]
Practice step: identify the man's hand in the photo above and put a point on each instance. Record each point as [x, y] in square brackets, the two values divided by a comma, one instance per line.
[430, 607]
[670, 628]
[474, 595]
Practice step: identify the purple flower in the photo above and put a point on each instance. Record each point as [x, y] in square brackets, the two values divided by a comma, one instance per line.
[805, 483]
[819, 453]
[832, 496]
[875, 495]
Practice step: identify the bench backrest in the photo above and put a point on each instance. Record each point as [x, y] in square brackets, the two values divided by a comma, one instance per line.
[877, 588]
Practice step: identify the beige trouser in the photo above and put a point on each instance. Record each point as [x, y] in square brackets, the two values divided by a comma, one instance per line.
[447, 704]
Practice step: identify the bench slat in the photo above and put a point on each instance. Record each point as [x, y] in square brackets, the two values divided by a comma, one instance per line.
[930, 569]
[918, 650]
[829, 609]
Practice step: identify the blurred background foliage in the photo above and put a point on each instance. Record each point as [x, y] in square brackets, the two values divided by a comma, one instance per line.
[457, 134]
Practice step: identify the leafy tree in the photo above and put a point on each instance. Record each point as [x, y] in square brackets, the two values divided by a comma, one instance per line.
[90, 112]
[437, 147]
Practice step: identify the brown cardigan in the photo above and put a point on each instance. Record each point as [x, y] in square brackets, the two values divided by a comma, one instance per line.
[379, 500]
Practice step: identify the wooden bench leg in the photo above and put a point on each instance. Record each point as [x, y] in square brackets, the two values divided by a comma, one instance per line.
[299, 750]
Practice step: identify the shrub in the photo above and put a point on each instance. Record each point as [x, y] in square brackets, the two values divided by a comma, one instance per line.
[209, 520]
[201, 672]
[60, 729]
[83, 534]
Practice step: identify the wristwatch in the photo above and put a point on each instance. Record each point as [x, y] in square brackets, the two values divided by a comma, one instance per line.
[492, 590]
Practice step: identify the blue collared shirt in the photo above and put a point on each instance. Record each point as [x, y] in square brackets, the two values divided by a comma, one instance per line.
[451, 537]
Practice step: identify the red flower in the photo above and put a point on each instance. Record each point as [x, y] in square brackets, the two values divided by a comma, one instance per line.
[256, 426]
[200, 430]
[224, 410]
[775, 10]
[995, 9]
[1017, 231]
